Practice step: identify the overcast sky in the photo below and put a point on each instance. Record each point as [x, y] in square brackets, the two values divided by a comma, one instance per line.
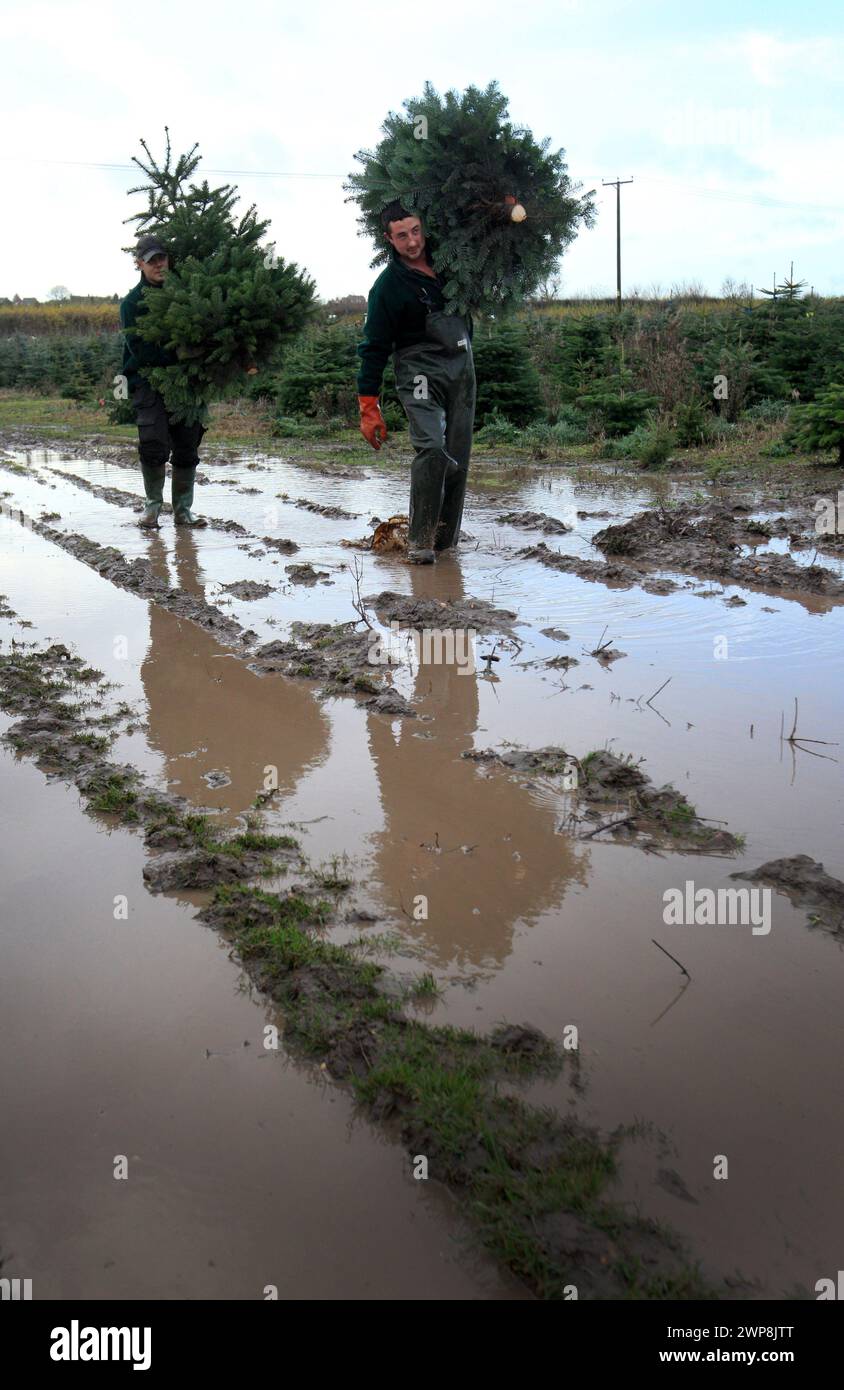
[727, 115]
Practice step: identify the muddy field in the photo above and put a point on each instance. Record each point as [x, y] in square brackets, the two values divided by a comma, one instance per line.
[441, 875]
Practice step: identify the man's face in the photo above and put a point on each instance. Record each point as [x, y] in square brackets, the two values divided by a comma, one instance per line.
[155, 269]
[407, 237]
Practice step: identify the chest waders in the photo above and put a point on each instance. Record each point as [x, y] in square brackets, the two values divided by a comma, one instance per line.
[435, 382]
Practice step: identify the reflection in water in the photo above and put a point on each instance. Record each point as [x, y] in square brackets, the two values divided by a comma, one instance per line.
[436, 806]
[200, 695]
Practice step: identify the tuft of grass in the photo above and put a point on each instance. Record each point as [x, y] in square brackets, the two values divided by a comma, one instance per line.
[426, 987]
[252, 839]
[116, 797]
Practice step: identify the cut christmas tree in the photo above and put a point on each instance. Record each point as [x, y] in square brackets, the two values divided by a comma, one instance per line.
[227, 302]
[497, 206]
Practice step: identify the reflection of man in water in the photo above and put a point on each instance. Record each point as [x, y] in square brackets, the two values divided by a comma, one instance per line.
[435, 802]
[208, 711]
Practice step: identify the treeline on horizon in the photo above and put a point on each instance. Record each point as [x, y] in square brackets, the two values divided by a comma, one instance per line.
[643, 380]
[86, 314]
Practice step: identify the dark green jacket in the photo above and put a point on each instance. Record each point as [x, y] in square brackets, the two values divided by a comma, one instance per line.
[137, 353]
[398, 305]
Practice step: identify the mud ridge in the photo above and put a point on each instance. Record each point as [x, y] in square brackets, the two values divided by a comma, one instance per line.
[614, 792]
[612, 572]
[409, 611]
[536, 521]
[322, 508]
[805, 883]
[680, 538]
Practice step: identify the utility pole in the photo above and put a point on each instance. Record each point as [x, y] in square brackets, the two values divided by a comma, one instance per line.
[616, 184]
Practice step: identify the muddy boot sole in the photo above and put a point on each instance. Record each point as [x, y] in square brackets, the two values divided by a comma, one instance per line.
[417, 556]
[190, 520]
[149, 521]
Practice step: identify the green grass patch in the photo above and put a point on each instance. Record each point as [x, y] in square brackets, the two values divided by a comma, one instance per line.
[116, 797]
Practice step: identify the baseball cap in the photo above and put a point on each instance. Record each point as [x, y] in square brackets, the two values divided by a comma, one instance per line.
[147, 247]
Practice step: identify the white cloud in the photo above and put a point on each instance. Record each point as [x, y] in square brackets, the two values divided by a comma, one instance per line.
[284, 87]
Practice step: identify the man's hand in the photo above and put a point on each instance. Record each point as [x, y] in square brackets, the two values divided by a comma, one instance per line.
[251, 371]
[372, 425]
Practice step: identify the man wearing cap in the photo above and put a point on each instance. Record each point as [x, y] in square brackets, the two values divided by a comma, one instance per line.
[435, 382]
[159, 437]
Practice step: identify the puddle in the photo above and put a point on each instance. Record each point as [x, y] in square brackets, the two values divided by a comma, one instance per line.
[524, 921]
[136, 1040]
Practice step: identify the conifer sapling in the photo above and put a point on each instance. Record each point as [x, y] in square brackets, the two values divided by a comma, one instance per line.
[227, 302]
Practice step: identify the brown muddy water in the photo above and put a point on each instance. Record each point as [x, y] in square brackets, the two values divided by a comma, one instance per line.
[128, 1037]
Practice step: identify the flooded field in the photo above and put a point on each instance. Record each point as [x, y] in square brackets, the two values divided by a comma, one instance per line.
[494, 889]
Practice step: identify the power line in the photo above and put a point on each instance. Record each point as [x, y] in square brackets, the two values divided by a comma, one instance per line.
[758, 200]
[133, 168]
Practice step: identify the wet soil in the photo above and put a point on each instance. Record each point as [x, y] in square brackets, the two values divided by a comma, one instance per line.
[807, 884]
[527, 915]
[709, 545]
[335, 1011]
[616, 792]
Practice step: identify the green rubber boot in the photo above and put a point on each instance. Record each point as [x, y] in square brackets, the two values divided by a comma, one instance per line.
[183, 481]
[153, 494]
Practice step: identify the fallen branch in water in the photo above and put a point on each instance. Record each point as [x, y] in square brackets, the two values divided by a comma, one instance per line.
[670, 957]
[797, 740]
[608, 825]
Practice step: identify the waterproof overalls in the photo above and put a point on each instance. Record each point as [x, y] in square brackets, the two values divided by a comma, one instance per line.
[435, 382]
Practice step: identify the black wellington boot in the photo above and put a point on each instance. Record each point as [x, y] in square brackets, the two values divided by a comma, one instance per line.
[427, 480]
[153, 476]
[183, 482]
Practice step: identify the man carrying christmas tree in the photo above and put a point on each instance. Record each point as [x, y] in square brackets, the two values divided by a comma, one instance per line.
[159, 436]
[435, 382]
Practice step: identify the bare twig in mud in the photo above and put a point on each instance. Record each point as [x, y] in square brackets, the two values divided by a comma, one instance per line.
[653, 707]
[608, 825]
[357, 599]
[656, 692]
[670, 957]
[796, 740]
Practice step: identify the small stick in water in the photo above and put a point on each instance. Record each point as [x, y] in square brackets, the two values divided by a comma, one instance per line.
[670, 957]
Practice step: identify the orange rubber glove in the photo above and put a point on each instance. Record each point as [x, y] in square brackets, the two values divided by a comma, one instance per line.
[372, 425]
